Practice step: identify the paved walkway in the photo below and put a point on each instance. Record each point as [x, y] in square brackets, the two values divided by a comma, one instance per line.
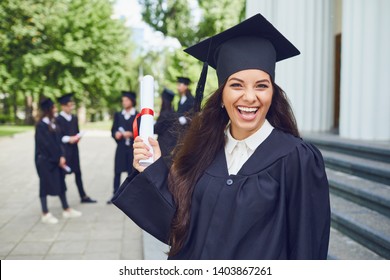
[103, 231]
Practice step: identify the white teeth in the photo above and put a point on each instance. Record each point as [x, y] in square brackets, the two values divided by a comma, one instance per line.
[248, 110]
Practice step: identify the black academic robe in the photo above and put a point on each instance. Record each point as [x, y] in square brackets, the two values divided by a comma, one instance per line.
[167, 129]
[276, 207]
[70, 128]
[124, 153]
[186, 106]
[48, 151]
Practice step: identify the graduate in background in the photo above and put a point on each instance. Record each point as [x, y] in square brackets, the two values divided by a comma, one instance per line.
[122, 132]
[70, 137]
[166, 124]
[50, 163]
[186, 102]
[243, 184]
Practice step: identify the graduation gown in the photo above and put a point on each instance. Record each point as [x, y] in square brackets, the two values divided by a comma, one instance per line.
[276, 207]
[186, 106]
[123, 153]
[48, 151]
[70, 128]
[167, 129]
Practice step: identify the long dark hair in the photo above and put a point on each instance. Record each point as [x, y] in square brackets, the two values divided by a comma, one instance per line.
[198, 148]
[280, 113]
[47, 112]
[166, 105]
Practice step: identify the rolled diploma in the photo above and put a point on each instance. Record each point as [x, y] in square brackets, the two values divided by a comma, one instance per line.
[67, 169]
[80, 134]
[146, 129]
[122, 130]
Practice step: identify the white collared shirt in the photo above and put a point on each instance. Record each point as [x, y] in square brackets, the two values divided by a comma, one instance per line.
[48, 122]
[238, 152]
[183, 99]
[128, 114]
[66, 116]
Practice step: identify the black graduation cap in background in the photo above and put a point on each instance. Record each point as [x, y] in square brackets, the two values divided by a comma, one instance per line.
[46, 104]
[183, 80]
[65, 98]
[168, 94]
[131, 95]
[252, 44]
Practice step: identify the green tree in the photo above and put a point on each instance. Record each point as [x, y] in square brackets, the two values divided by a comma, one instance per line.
[49, 47]
[177, 18]
[180, 19]
[219, 15]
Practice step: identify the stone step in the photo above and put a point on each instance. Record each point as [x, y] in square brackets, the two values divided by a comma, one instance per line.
[369, 228]
[374, 150]
[373, 195]
[341, 247]
[361, 167]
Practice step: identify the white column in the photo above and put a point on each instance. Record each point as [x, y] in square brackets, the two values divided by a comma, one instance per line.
[365, 92]
[308, 78]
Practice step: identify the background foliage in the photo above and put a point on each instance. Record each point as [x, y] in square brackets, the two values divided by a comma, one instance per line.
[51, 47]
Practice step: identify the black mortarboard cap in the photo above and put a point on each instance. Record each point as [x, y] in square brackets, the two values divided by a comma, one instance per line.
[46, 104]
[131, 95]
[252, 44]
[65, 98]
[183, 80]
[168, 94]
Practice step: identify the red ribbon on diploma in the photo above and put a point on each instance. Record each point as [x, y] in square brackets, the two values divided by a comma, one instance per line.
[144, 111]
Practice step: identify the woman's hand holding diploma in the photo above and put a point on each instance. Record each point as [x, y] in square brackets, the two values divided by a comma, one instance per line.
[142, 152]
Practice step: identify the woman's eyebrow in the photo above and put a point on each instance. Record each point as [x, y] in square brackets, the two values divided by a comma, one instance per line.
[233, 78]
[259, 81]
[262, 81]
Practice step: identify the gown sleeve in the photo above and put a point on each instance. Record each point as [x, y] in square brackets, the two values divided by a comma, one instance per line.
[145, 198]
[308, 207]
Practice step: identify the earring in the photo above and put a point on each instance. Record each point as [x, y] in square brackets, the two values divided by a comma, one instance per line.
[222, 105]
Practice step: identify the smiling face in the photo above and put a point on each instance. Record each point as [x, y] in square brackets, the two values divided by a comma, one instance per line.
[247, 97]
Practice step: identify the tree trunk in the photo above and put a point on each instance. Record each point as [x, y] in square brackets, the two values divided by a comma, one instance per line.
[15, 107]
[6, 114]
[28, 101]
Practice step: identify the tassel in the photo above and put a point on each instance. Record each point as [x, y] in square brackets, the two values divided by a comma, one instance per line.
[200, 88]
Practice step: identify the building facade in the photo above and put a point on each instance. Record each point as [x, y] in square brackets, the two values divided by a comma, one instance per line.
[339, 82]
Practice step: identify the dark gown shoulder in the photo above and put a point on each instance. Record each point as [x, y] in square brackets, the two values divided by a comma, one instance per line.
[41, 125]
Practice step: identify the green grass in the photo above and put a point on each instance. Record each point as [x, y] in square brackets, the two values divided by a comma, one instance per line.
[103, 125]
[9, 130]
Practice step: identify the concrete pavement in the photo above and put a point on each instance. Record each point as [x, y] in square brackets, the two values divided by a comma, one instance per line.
[103, 231]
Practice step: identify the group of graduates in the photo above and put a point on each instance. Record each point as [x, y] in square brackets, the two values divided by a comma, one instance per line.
[57, 137]
[57, 154]
[168, 126]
